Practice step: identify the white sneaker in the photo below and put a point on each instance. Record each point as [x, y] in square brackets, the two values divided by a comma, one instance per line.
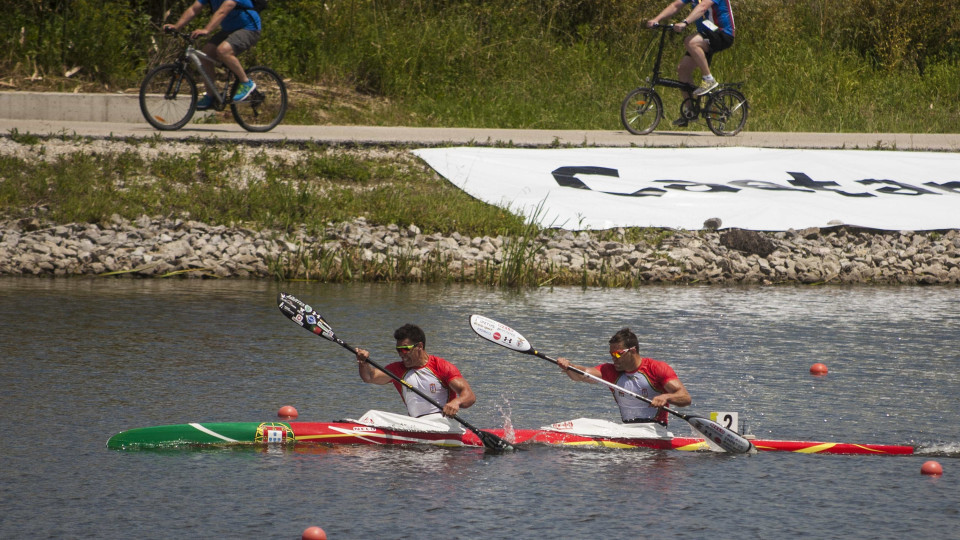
[705, 87]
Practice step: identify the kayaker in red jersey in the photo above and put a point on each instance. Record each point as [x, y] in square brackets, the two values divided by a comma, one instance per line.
[645, 376]
[430, 374]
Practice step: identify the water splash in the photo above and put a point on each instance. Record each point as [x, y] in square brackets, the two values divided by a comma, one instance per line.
[950, 449]
[505, 411]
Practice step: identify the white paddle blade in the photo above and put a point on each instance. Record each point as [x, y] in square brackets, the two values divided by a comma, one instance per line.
[498, 333]
[723, 437]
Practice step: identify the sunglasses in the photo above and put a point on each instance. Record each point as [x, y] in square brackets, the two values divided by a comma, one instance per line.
[621, 352]
[405, 348]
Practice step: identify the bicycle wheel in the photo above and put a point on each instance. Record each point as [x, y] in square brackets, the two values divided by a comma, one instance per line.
[726, 112]
[168, 97]
[641, 111]
[265, 106]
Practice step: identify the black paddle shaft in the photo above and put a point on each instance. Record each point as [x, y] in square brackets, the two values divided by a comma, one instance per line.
[302, 314]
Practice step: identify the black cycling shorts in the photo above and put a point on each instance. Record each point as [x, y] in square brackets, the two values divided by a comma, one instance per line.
[718, 41]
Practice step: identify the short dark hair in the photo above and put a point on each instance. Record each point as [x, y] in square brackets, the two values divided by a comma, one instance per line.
[627, 338]
[411, 332]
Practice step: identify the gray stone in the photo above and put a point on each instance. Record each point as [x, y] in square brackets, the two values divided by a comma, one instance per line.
[747, 242]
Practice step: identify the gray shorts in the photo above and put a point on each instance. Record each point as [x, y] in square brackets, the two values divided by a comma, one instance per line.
[241, 40]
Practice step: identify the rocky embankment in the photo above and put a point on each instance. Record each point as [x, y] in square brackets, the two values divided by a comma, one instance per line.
[157, 247]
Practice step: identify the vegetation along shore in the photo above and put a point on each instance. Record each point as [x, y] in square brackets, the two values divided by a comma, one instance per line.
[866, 66]
[153, 208]
[73, 206]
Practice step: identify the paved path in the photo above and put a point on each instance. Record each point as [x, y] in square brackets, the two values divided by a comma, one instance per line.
[519, 137]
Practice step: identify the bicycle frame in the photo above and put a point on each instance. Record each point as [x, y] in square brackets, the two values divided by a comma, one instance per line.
[194, 56]
[656, 79]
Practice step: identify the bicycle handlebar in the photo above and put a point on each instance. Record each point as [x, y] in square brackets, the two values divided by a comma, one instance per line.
[182, 35]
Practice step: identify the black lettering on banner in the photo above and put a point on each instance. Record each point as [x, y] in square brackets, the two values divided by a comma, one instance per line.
[900, 189]
[802, 180]
[566, 177]
[949, 187]
[645, 192]
[770, 186]
[688, 185]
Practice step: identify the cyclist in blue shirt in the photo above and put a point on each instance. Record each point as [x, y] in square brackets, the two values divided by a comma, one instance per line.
[715, 32]
[239, 31]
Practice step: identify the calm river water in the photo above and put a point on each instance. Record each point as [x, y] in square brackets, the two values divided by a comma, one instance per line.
[84, 359]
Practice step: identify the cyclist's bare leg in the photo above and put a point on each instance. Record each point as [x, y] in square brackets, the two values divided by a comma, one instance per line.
[685, 73]
[229, 58]
[697, 48]
[211, 51]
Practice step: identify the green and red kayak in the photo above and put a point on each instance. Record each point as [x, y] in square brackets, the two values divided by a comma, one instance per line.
[336, 433]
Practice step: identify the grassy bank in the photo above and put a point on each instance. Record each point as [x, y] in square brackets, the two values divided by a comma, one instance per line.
[282, 190]
[278, 188]
[809, 65]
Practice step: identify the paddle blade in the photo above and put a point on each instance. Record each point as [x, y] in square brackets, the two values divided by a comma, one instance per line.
[304, 315]
[498, 333]
[494, 443]
[727, 439]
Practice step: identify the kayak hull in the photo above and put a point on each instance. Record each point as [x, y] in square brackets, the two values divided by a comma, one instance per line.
[339, 433]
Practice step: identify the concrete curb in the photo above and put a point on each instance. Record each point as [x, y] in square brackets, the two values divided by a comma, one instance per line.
[118, 115]
[114, 108]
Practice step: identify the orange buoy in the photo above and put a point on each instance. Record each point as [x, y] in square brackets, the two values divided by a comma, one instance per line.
[287, 413]
[818, 369]
[931, 468]
[314, 533]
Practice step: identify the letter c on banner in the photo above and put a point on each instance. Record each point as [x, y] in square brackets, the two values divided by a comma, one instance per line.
[565, 176]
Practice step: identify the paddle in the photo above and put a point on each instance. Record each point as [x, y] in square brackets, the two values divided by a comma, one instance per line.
[505, 336]
[308, 318]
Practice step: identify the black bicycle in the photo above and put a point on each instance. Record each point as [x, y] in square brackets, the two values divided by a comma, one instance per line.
[168, 94]
[725, 109]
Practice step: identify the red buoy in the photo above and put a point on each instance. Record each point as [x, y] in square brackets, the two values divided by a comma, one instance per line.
[287, 412]
[932, 468]
[314, 533]
[818, 369]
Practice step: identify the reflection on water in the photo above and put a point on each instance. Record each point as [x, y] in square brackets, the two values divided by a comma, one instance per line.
[84, 359]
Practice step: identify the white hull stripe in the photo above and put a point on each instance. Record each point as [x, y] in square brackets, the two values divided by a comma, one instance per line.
[212, 433]
[371, 438]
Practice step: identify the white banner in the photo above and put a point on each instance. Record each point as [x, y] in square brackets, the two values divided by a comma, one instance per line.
[749, 188]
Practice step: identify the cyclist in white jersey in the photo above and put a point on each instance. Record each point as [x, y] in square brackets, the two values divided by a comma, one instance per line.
[430, 374]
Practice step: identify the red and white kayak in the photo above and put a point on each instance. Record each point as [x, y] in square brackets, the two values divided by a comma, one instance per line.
[574, 433]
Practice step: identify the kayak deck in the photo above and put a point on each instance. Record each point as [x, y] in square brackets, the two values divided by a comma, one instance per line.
[336, 433]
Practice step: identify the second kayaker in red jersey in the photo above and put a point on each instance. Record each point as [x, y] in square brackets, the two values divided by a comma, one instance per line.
[645, 376]
[430, 374]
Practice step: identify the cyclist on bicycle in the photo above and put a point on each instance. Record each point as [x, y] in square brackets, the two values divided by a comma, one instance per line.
[239, 31]
[715, 31]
